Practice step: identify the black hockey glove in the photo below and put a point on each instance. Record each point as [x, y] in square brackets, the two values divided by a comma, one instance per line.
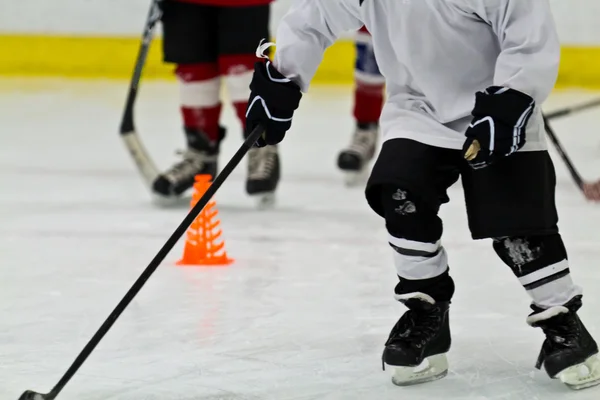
[498, 128]
[273, 99]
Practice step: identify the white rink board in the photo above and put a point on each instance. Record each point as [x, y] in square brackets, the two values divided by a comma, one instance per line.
[577, 20]
[304, 311]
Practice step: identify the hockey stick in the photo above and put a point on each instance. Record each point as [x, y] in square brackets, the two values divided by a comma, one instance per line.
[570, 110]
[150, 269]
[561, 151]
[142, 160]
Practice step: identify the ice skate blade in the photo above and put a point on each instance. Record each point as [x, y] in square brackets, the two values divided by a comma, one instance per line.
[432, 369]
[574, 379]
[264, 201]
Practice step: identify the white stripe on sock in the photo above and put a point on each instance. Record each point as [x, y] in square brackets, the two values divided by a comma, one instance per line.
[544, 272]
[238, 86]
[416, 268]
[201, 93]
[555, 293]
[412, 245]
[369, 79]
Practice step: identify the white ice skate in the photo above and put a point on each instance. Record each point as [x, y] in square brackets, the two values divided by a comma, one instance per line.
[169, 186]
[263, 175]
[354, 159]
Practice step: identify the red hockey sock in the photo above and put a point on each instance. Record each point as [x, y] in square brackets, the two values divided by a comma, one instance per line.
[369, 83]
[200, 101]
[368, 102]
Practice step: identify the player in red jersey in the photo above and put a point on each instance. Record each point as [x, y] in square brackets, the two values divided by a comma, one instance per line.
[213, 44]
[369, 93]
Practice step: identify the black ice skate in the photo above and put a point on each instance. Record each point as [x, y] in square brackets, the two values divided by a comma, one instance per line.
[200, 158]
[419, 341]
[263, 174]
[354, 159]
[569, 352]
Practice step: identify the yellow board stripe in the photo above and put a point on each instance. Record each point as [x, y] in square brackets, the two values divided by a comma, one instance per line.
[77, 57]
[579, 67]
[113, 58]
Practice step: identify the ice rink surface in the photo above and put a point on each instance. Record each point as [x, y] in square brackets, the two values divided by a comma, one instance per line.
[304, 311]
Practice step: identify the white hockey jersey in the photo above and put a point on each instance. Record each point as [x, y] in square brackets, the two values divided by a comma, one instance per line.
[435, 55]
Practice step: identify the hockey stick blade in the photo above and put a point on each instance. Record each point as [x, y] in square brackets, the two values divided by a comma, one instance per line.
[571, 110]
[149, 271]
[140, 156]
[128, 133]
[29, 395]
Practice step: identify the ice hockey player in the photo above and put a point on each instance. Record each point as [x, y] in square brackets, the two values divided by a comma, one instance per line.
[592, 191]
[369, 90]
[461, 76]
[214, 42]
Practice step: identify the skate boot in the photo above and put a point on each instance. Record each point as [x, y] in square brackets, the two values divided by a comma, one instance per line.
[200, 158]
[569, 352]
[419, 341]
[354, 159]
[263, 174]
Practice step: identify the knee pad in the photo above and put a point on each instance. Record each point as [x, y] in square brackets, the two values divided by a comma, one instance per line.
[406, 216]
[535, 260]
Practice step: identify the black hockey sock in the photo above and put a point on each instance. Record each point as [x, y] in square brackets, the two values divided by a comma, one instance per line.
[441, 288]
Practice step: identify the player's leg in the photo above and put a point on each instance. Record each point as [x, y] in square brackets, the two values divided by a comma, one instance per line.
[512, 201]
[368, 101]
[189, 30]
[407, 187]
[240, 31]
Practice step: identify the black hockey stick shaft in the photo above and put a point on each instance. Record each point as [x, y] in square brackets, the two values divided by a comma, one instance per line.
[570, 110]
[154, 15]
[150, 269]
[563, 154]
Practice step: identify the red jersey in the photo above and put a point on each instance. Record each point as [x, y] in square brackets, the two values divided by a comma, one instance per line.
[229, 3]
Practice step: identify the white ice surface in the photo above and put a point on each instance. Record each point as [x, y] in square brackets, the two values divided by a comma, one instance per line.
[304, 311]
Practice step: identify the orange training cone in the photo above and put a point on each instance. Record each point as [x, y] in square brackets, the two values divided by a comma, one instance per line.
[202, 245]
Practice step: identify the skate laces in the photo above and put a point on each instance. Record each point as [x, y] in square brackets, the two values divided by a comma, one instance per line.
[561, 332]
[261, 162]
[415, 327]
[363, 141]
[193, 161]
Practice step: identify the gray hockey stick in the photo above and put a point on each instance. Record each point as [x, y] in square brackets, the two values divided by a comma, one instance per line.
[570, 110]
[128, 133]
[563, 154]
